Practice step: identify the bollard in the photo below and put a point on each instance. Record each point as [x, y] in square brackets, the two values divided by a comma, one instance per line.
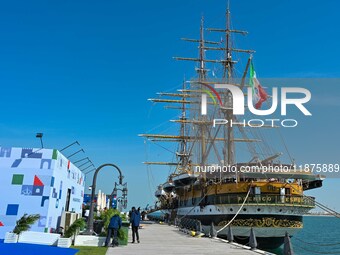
[182, 223]
[252, 239]
[230, 236]
[198, 228]
[213, 232]
[287, 247]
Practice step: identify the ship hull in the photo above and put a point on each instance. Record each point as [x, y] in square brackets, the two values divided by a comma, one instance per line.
[269, 223]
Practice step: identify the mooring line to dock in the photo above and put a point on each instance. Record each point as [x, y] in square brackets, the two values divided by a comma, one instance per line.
[245, 200]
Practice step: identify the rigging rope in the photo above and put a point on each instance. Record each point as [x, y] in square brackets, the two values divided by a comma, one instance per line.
[148, 168]
[195, 205]
[251, 146]
[245, 199]
[318, 204]
[285, 145]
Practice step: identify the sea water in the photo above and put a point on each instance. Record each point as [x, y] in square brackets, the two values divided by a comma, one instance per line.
[316, 237]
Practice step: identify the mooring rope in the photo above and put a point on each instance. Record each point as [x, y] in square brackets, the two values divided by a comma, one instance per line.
[236, 212]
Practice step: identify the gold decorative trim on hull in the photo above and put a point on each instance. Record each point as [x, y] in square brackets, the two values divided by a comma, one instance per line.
[267, 222]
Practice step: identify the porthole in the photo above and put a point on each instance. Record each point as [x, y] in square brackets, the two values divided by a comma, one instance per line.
[244, 209]
[231, 209]
[259, 209]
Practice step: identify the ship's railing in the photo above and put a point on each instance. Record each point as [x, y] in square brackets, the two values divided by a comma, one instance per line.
[262, 199]
[189, 224]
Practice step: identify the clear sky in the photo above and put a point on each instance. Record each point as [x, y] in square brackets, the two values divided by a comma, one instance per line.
[83, 70]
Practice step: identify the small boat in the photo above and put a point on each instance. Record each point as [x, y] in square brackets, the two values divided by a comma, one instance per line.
[168, 187]
[185, 179]
[160, 192]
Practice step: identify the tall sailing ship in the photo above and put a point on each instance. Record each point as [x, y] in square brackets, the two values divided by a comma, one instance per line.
[271, 203]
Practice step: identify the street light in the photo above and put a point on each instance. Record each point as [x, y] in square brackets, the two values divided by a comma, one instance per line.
[40, 135]
[89, 230]
[122, 202]
[115, 192]
[125, 191]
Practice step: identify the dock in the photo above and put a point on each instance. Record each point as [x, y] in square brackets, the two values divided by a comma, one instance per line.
[163, 239]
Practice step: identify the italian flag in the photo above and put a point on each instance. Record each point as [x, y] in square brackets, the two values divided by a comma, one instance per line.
[259, 94]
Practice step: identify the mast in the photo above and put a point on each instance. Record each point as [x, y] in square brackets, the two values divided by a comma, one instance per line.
[228, 65]
[183, 145]
[228, 113]
[229, 147]
[201, 78]
[202, 71]
[204, 137]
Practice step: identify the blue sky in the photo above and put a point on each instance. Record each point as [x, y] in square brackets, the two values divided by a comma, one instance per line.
[83, 70]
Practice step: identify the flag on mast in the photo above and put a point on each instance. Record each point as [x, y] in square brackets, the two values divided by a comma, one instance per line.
[259, 94]
[263, 96]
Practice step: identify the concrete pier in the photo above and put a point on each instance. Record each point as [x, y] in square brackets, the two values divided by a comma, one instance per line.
[164, 239]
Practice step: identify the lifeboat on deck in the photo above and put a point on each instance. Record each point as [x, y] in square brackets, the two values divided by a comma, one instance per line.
[185, 179]
[160, 192]
[168, 187]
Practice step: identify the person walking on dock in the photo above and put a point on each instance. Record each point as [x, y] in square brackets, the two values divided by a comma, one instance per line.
[114, 225]
[135, 220]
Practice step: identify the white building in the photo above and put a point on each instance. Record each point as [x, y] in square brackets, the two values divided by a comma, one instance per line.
[37, 181]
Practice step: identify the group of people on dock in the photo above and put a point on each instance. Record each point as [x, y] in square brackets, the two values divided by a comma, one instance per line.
[116, 223]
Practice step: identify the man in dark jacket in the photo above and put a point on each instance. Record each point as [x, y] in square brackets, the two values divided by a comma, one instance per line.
[135, 220]
[114, 225]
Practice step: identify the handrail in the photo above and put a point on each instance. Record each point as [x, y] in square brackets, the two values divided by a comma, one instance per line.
[262, 199]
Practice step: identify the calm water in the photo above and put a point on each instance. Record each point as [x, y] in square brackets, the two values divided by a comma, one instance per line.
[317, 230]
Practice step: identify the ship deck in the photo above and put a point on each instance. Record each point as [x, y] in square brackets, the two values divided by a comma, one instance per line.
[164, 239]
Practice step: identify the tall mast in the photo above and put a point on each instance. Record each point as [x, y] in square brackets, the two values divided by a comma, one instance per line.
[203, 138]
[201, 78]
[229, 113]
[228, 65]
[183, 146]
[201, 71]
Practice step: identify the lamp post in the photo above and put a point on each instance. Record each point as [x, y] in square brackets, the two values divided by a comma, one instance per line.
[115, 193]
[122, 202]
[40, 135]
[89, 230]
